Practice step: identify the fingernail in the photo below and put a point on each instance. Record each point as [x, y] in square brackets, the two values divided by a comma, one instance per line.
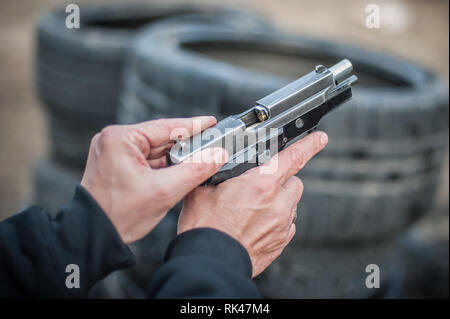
[323, 139]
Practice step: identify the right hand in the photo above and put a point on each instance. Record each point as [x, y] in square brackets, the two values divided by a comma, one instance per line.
[258, 210]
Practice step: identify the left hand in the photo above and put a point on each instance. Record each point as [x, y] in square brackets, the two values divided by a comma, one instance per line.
[126, 174]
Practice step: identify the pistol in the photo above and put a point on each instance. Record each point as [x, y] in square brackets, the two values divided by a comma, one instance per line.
[252, 137]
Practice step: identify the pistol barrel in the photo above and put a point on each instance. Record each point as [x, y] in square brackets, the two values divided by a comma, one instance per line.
[341, 69]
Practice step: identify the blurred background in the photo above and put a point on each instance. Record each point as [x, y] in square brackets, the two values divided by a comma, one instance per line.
[413, 30]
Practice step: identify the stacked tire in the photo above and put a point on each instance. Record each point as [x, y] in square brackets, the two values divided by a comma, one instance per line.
[79, 70]
[377, 176]
[79, 78]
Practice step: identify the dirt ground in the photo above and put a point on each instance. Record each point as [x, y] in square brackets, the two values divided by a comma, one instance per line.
[417, 30]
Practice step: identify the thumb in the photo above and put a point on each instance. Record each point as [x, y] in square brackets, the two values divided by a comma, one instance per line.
[182, 178]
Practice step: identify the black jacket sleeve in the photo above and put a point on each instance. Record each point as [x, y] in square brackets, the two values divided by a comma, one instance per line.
[204, 263]
[36, 249]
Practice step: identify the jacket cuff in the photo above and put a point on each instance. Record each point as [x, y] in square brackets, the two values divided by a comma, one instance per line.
[209, 242]
[93, 242]
[121, 254]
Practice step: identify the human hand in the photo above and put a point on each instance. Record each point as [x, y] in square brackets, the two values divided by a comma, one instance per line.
[257, 209]
[126, 174]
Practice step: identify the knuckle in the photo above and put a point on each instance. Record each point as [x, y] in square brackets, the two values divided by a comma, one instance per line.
[107, 135]
[264, 188]
[301, 186]
[283, 213]
[108, 130]
[298, 159]
[201, 169]
[290, 234]
[163, 193]
[285, 218]
[287, 215]
[299, 183]
[293, 231]
[94, 139]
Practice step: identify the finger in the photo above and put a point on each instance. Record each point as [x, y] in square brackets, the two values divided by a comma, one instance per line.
[182, 178]
[159, 151]
[160, 132]
[158, 162]
[291, 233]
[293, 190]
[95, 139]
[292, 159]
[293, 214]
[91, 152]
